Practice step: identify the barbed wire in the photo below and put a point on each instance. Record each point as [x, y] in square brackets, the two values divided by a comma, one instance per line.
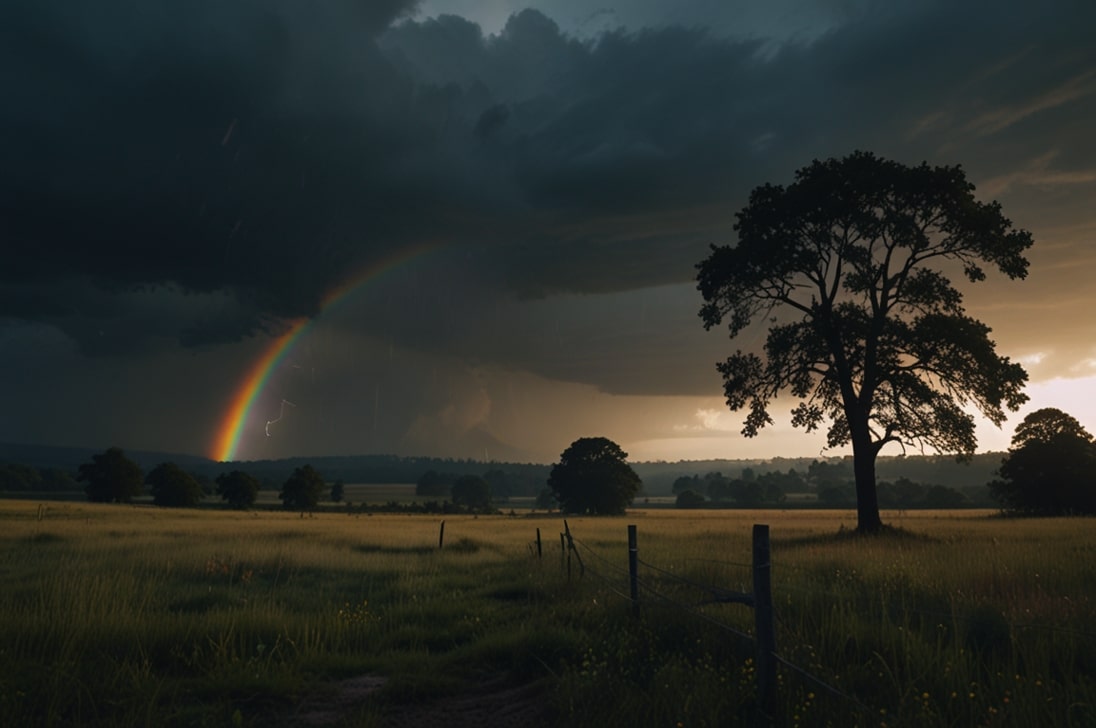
[718, 593]
[694, 611]
[598, 556]
[651, 590]
[721, 563]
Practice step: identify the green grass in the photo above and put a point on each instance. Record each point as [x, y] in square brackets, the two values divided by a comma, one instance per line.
[129, 615]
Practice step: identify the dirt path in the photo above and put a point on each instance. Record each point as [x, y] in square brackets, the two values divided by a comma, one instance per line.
[493, 704]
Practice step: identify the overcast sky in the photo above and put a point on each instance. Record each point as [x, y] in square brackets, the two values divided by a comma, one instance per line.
[180, 181]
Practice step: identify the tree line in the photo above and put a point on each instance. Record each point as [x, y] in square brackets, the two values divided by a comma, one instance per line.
[112, 477]
[1049, 470]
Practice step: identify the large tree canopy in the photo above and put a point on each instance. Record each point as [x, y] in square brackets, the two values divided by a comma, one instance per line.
[592, 476]
[238, 488]
[111, 477]
[303, 489]
[173, 487]
[1050, 468]
[849, 266]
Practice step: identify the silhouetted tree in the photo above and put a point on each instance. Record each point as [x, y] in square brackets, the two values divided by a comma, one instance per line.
[686, 482]
[206, 483]
[836, 496]
[171, 486]
[472, 492]
[111, 477]
[501, 484]
[57, 480]
[434, 483]
[593, 477]
[689, 499]
[338, 490]
[747, 493]
[941, 496]
[865, 328]
[773, 492]
[238, 489]
[303, 489]
[718, 487]
[1050, 468]
[16, 476]
[547, 499]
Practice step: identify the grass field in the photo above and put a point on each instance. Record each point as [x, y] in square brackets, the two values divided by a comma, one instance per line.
[133, 615]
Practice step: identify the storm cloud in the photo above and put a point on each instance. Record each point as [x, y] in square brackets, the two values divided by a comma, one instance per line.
[191, 174]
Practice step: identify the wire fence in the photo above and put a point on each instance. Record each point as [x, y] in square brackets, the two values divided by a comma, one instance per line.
[659, 586]
[665, 589]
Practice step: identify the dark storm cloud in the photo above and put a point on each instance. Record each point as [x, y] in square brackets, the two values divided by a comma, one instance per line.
[207, 145]
[255, 153]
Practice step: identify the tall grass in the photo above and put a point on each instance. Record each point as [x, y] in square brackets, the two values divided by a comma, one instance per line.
[116, 615]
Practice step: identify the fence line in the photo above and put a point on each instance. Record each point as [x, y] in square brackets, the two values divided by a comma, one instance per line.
[766, 647]
[760, 600]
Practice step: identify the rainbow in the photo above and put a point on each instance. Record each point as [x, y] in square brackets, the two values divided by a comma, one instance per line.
[226, 442]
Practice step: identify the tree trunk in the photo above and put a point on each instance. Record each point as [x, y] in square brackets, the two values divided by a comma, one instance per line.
[863, 467]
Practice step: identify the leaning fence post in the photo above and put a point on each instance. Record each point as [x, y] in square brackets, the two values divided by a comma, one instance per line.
[764, 623]
[633, 568]
[441, 534]
[571, 549]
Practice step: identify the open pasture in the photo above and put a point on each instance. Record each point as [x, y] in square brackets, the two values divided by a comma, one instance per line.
[120, 615]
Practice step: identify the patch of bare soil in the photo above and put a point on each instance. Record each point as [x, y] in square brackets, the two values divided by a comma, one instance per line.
[493, 704]
[332, 707]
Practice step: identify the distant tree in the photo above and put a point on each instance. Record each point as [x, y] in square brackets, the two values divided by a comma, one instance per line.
[941, 496]
[747, 493]
[774, 481]
[773, 492]
[836, 496]
[303, 489]
[546, 499]
[238, 489]
[866, 330]
[206, 483]
[686, 482]
[338, 491]
[593, 477]
[472, 492]
[1050, 468]
[433, 483]
[689, 499]
[16, 477]
[111, 477]
[500, 482]
[56, 480]
[173, 487]
[718, 487]
[902, 493]
[822, 474]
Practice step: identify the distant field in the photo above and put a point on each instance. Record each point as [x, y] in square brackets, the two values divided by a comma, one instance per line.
[135, 615]
[358, 493]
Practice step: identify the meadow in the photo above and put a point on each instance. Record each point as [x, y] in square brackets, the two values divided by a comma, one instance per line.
[134, 615]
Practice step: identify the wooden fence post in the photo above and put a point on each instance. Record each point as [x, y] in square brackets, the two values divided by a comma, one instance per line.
[441, 534]
[571, 549]
[540, 552]
[564, 555]
[633, 568]
[764, 622]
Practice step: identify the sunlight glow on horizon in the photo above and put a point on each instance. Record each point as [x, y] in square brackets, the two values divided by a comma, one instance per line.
[715, 433]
